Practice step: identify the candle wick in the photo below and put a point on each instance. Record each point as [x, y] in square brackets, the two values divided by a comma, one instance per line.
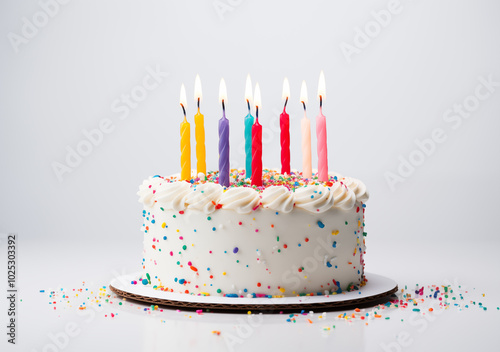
[304, 104]
[248, 104]
[320, 101]
[257, 113]
[184, 110]
[286, 102]
[198, 104]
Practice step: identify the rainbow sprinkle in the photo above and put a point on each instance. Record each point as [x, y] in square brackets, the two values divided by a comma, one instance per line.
[269, 178]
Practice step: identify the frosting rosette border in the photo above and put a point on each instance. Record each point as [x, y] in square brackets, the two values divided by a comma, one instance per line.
[281, 193]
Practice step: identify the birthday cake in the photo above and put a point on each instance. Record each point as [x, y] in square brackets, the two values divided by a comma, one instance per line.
[288, 237]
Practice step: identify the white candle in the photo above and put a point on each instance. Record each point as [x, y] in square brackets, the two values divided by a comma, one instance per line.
[306, 136]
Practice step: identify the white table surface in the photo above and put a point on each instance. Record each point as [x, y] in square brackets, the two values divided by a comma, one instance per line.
[436, 226]
[52, 266]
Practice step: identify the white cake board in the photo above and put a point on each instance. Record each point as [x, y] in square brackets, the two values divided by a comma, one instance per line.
[377, 289]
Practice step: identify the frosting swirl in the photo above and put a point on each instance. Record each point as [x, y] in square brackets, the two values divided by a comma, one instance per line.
[148, 189]
[357, 187]
[278, 198]
[172, 195]
[314, 198]
[279, 192]
[204, 197]
[242, 200]
[343, 196]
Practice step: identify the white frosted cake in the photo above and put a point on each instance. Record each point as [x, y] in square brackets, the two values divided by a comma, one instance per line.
[289, 237]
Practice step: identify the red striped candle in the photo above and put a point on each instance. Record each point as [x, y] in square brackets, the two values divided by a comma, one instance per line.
[285, 131]
[257, 143]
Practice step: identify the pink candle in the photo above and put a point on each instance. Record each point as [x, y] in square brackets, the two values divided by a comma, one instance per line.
[321, 134]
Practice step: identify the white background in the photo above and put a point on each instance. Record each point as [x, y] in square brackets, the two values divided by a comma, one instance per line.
[438, 224]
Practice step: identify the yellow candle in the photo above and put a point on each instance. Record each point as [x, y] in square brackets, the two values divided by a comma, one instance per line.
[199, 121]
[185, 140]
[201, 163]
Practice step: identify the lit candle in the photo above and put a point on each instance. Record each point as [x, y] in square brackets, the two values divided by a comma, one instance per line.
[285, 131]
[201, 164]
[223, 138]
[249, 120]
[306, 136]
[257, 142]
[185, 140]
[321, 133]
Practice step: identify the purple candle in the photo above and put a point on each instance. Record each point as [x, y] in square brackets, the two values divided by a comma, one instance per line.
[223, 139]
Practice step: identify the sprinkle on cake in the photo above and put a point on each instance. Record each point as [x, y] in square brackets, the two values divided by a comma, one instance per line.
[270, 177]
[289, 237]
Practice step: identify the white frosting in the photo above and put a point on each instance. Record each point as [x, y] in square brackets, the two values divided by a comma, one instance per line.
[357, 187]
[180, 195]
[314, 198]
[253, 243]
[173, 195]
[148, 189]
[343, 197]
[241, 199]
[259, 252]
[277, 198]
[204, 197]
[335, 174]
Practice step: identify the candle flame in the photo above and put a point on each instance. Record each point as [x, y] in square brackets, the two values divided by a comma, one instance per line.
[303, 93]
[321, 86]
[222, 91]
[286, 90]
[248, 90]
[197, 88]
[257, 99]
[182, 99]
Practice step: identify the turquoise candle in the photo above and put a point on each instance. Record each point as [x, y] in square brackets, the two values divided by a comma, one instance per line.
[249, 120]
